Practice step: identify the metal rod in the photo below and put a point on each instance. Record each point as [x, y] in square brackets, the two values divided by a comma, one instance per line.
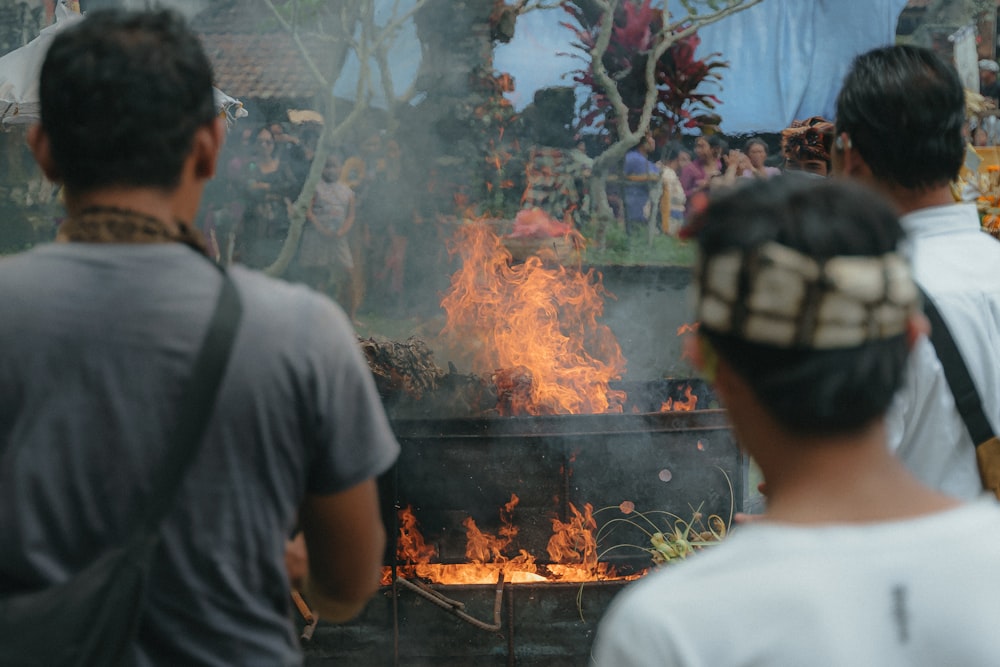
[511, 656]
[454, 603]
[498, 600]
[440, 601]
[395, 620]
[395, 564]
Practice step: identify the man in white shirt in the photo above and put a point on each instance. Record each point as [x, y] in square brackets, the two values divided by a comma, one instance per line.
[899, 120]
[808, 309]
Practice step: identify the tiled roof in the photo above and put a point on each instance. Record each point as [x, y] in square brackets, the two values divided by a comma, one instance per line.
[253, 56]
[260, 66]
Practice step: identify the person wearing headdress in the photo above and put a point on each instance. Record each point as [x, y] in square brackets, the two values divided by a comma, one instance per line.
[806, 146]
[807, 310]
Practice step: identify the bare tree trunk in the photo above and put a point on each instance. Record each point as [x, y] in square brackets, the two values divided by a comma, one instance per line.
[603, 214]
[353, 28]
[602, 12]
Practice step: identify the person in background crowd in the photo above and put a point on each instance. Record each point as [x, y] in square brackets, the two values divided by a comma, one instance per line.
[696, 177]
[980, 137]
[847, 567]
[989, 87]
[728, 160]
[639, 171]
[806, 146]
[737, 165]
[303, 150]
[325, 254]
[284, 141]
[899, 129]
[673, 199]
[99, 336]
[268, 181]
[756, 152]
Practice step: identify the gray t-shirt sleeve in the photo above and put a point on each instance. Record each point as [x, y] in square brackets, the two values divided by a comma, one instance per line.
[353, 438]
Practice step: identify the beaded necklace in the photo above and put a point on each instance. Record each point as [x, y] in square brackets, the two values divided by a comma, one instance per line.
[109, 224]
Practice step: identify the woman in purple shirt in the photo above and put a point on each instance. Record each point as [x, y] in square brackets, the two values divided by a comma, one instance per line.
[697, 176]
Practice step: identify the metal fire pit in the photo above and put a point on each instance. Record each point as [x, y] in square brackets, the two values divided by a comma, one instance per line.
[550, 625]
[451, 469]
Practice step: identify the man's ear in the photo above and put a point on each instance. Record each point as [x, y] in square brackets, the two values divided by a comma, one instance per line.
[849, 159]
[208, 141]
[38, 142]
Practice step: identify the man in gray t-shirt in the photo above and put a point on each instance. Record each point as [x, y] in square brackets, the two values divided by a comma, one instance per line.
[98, 333]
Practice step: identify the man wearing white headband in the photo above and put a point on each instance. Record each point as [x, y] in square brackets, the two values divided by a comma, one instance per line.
[808, 311]
[899, 130]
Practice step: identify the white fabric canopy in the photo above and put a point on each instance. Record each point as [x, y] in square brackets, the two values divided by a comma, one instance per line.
[787, 58]
[20, 70]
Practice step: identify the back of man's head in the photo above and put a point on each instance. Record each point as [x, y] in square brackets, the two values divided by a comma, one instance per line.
[122, 94]
[903, 108]
[801, 290]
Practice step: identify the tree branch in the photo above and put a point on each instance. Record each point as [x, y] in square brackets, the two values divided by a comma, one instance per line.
[396, 22]
[675, 31]
[298, 42]
[604, 81]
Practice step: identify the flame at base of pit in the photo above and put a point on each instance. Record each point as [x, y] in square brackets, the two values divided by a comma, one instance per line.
[572, 551]
[486, 574]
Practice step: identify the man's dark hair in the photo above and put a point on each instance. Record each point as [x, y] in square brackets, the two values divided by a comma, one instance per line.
[122, 94]
[903, 108]
[809, 391]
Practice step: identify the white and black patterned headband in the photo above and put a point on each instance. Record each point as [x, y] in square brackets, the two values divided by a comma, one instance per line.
[777, 296]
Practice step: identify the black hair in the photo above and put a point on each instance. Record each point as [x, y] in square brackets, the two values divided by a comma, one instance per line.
[808, 391]
[122, 94]
[717, 143]
[754, 141]
[903, 108]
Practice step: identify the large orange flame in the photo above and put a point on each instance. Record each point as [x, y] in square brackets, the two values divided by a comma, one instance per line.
[539, 316]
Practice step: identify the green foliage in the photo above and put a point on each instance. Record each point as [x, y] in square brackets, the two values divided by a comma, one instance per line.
[678, 74]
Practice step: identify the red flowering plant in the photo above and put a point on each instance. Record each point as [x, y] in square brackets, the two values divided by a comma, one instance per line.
[678, 74]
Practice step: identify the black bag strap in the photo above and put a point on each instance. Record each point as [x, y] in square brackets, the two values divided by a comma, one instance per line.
[197, 403]
[967, 399]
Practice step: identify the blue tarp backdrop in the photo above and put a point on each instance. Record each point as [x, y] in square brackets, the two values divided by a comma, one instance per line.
[787, 58]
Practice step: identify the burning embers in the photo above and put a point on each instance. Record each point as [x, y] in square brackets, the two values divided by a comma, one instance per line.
[536, 321]
[572, 553]
[688, 403]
